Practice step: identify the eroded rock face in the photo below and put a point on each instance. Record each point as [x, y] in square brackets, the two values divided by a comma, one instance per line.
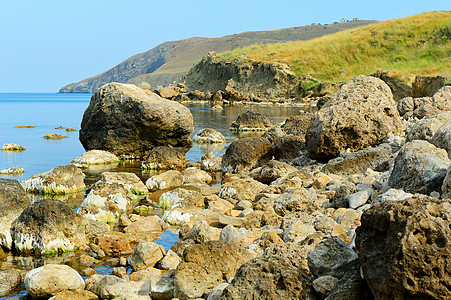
[60, 180]
[270, 278]
[251, 121]
[205, 266]
[127, 120]
[51, 279]
[13, 200]
[48, 226]
[246, 153]
[404, 248]
[361, 114]
[419, 167]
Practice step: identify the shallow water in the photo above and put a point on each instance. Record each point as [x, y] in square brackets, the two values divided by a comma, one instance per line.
[47, 111]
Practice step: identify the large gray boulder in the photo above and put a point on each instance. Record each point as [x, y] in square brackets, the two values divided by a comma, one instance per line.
[48, 226]
[13, 200]
[360, 115]
[404, 248]
[127, 120]
[419, 167]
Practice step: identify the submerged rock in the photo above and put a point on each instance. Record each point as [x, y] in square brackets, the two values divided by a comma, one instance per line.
[127, 120]
[60, 180]
[96, 157]
[361, 114]
[12, 147]
[208, 136]
[251, 121]
[12, 171]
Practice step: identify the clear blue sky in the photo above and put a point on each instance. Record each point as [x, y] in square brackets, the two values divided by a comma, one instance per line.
[47, 44]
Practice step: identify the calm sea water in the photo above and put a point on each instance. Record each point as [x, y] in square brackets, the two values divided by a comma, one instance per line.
[47, 111]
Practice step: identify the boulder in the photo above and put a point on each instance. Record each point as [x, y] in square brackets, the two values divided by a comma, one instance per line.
[297, 125]
[50, 279]
[349, 163]
[193, 175]
[145, 85]
[162, 287]
[442, 98]
[288, 147]
[202, 233]
[427, 86]
[271, 171]
[170, 261]
[246, 153]
[113, 246]
[442, 138]
[211, 163]
[166, 92]
[296, 200]
[79, 295]
[60, 180]
[126, 290]
[182, 198]
[13, 200]
[205, 266]
[405, 105]
[273, 133]
[241, 189]
[147, 224]
[425, 110]
[427, 127]
[340, 198]
[251, 121]
[360, 115]
[145, 255]
[166, 180]
[96, 283]
[208, 136]
[331, 256]
[130, 181]
[165, 157]
[96, 157]
[127, 120]
[404, 248]
[10, 282]
[270, 278]
[397, 87]
[419, 167]
[12, 171]
[48, 226]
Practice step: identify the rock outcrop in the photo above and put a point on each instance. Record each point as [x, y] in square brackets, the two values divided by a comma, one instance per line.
[127, 120]
[404, 248]
[361, 114]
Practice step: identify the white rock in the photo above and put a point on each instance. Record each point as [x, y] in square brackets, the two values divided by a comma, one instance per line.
[358, 199]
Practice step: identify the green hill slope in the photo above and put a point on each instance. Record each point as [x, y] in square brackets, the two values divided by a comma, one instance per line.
[419, 44]
[168, 61]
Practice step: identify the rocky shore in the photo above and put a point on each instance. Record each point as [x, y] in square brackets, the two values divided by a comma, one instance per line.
[348, 201]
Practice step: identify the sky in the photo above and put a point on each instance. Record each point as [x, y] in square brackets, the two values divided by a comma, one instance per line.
[46, 44]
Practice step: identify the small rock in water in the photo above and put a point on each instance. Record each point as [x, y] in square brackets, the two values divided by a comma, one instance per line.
[54, 136]
[25, 126]
[96, 157]
[208, 136]
[12, 147]
[11, 171]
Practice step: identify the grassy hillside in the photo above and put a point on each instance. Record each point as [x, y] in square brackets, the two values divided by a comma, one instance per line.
[167, 62]
[419, 44]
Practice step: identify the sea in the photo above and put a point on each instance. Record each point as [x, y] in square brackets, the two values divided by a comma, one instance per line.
[47, 111]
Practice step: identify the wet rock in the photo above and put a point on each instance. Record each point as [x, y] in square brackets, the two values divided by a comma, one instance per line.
[361, 114]
[167, 180]
[404, 247]
[13, 200]
[10, 282]
[246, 153]
[147, 224]
[442, 98]
[165, 157]
[12, 147]
[349, 163]
[205, 266]
[130, 181]
[60, 180]
[419, 167]
[297, 125]
[50, 279]
[427, 86]
[442, 138]
[48, 226]
[182, 198]
[145, 255]
[271, 171]
[241, 189]
[269, 278]
[251, 121]
[193, 175]
[127, 120]
[96, 157]
[330, 257]
[208, 136]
